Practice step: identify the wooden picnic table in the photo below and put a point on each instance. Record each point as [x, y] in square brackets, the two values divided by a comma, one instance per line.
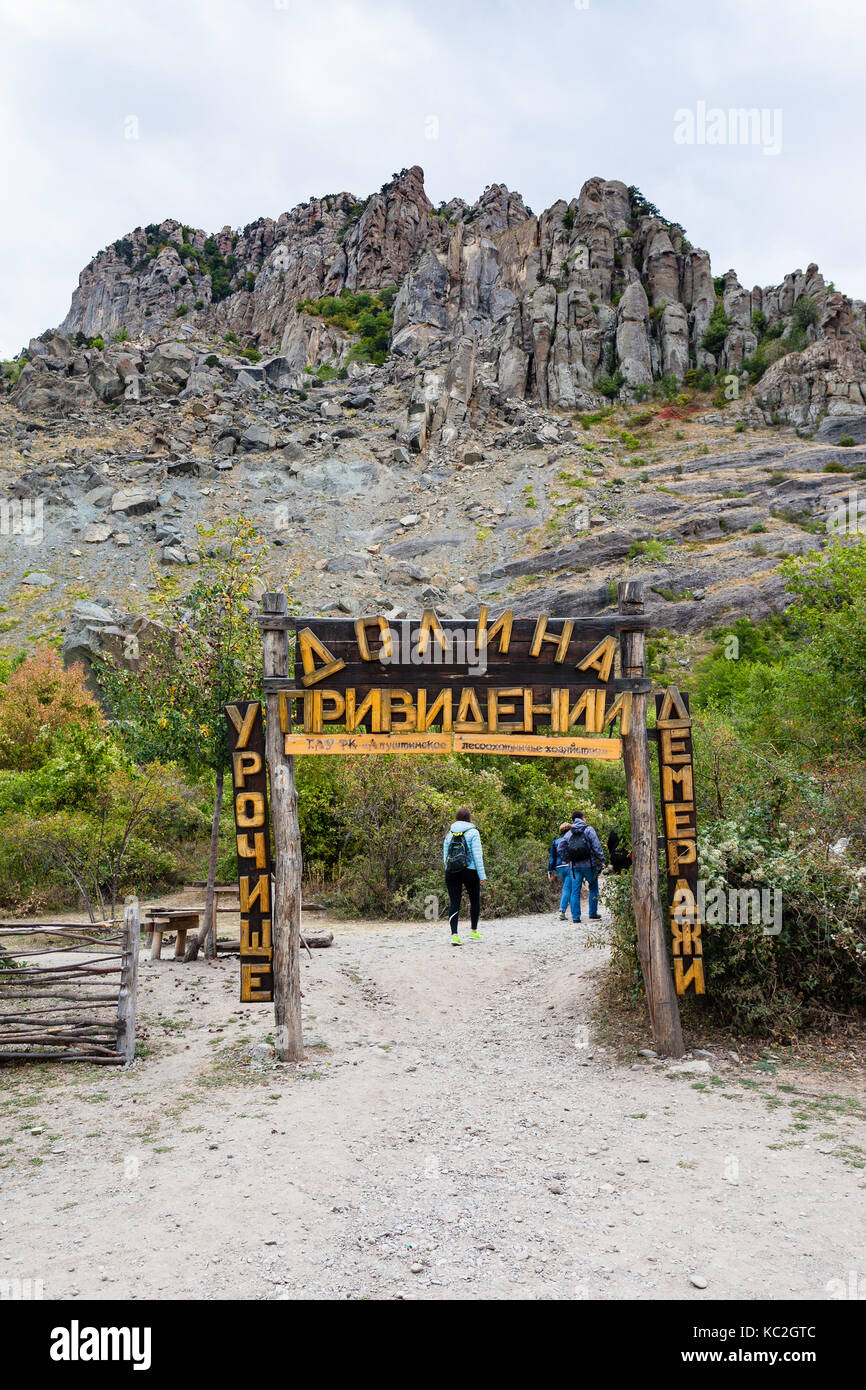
[177, 919]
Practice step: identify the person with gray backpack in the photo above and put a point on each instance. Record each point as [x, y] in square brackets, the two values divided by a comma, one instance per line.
[579, 847]
[464, 868]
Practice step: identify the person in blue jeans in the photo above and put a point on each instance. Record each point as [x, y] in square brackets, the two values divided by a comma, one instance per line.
[580, 837]
[557, 866]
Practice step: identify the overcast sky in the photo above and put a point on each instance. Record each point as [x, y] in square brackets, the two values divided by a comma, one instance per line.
[243, 108]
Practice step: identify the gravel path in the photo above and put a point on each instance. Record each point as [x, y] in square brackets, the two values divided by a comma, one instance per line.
[458, 1130]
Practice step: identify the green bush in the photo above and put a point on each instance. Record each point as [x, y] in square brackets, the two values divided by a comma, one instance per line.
[220, 268]
[846, 440]
[716, 330]
[648, 552]
[367, 314]
[610, 385]
[776, 984]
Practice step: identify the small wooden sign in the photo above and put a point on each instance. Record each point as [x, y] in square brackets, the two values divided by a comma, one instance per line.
[677, 777]
[527, 746]
[535, 746]
[252, 824]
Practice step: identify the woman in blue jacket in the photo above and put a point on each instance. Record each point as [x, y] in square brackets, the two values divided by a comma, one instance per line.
[555, 865]
[464, 868]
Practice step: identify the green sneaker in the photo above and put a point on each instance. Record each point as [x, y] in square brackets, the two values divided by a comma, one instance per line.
[475, 936]
[455, 941]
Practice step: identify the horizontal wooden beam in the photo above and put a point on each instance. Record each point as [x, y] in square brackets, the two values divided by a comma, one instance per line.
[584, 627]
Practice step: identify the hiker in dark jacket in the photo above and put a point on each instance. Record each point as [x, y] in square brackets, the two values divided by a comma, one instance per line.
[556, 865]
[580, 847]
[464, 868]
[619, 859]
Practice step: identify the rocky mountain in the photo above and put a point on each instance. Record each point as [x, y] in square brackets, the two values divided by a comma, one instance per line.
[417, 405]
[493, 303]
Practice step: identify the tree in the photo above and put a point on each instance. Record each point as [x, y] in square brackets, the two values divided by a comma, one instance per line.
[93, 852]
[824, 685]
[716, 331]
[40, 700]
[207, 654]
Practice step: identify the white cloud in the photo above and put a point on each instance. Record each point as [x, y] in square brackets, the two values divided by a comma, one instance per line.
[246, 107]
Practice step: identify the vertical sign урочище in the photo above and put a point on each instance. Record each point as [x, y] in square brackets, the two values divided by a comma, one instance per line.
[252, 825]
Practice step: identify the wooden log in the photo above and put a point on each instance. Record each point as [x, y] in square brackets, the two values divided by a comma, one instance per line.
[57, 927]
[651, 935]
[127, 999]
[53, 951]
[68, 972]
[25, 1021]
[319, 940]
[108, 1059]
[61, 1039]
[47, 1014]
[335, 630]
[54, 994]
[286, 926]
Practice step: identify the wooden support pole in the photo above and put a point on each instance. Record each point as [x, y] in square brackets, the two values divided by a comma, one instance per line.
[126, 1002]
[651, 937]
[286, 923]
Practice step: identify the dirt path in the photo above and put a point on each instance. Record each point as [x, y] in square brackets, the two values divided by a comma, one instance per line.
[458, 1131]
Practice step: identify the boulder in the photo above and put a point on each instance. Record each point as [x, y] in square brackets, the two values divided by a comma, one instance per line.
[258, 439]
[135, 501]
[171, 363]
[97, 532]
[105, 381]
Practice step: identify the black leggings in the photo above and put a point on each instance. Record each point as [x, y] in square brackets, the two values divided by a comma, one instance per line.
[455, 882]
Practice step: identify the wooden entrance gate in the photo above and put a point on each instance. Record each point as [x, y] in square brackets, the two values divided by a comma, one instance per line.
[505, 685]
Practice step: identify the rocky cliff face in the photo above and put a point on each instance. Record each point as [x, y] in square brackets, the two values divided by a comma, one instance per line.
[535, 510]
[597, 295]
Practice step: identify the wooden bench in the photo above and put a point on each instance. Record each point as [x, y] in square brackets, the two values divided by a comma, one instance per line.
[177, 919]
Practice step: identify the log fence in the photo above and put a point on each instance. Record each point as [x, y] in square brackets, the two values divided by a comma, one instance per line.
[68, 990]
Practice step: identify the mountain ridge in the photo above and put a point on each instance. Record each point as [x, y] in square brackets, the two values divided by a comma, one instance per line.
[596, 292]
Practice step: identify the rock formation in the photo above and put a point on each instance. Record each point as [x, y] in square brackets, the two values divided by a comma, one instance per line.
[598, 295]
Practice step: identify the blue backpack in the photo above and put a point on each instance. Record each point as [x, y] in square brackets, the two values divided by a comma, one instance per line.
[459, 854]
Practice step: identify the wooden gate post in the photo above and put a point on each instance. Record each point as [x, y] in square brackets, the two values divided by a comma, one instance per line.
[286, 915]
[651, 938]
[127, 998]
